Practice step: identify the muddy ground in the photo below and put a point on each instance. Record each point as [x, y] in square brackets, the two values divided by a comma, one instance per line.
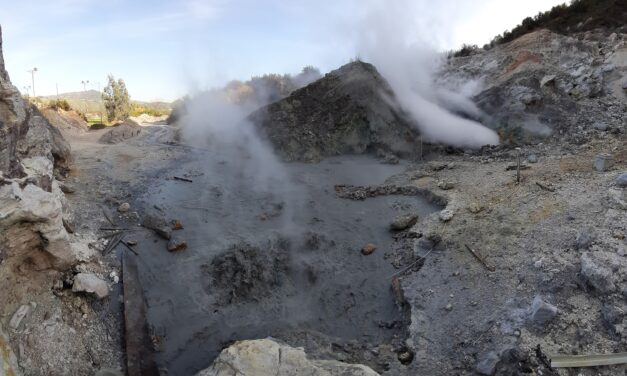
[320, 292]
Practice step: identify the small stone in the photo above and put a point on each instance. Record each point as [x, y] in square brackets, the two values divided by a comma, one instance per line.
[474, 207]
[446, 215]
[403, 222]
[131, 242]
[537, 264]
[596, 269]
[177, 225]
[114, 277]
[541, 311]
[602, 162]
[532, 158]
[18, 316]
[368, 249]
[446, 185]
[66, 188]
[600, 126]
[449, 307]
[123, 208]
[621, 180]
[405, 357]
[547, 79]
[176, 244]
[487, 364]
[90, 283]
[158, 225]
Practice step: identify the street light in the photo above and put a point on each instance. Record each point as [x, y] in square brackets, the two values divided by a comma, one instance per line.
[32, 73]
[84, 84]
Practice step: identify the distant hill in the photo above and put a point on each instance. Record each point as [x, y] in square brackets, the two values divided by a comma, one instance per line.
[90, 101]
[580, 15]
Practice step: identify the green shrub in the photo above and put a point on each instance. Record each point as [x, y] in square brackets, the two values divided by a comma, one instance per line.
[60, 104]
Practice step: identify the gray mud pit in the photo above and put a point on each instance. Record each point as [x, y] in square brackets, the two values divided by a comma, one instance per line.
[270, 264]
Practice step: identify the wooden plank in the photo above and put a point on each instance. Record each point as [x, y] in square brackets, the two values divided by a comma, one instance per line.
[139, 353]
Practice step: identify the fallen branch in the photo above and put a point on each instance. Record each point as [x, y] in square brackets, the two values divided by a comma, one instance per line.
[481, 260]
[183, 179]
[113, 242]
[545, 187]
[106, 215]
[515, 167]
[594, 360]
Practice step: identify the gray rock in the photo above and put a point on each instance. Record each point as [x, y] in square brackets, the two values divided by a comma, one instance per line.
[600, 126]
[176, 244]
[532, 158]
[602, 162]
[403, 222]
[621, 180]
[541, 311]
[158, 224]
[90, 283]
[123, 208]
[487, 363]
[584, 238]
[547, 79]
[597, 269]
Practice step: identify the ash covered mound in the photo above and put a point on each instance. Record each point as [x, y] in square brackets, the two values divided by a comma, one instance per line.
[123, 131]
[350, 110]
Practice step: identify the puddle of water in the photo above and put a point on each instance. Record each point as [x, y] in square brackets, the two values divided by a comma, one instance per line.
[324, 284]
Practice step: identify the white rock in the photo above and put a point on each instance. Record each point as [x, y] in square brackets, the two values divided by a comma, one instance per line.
[446, 215]
[267, 357]
[90, 283]
[123, 208]
[18, 316]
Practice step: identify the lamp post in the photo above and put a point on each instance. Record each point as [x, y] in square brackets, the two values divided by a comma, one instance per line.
[84, 84]
[32, 74]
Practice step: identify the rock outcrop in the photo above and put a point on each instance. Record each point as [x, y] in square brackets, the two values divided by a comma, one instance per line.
[268, 357]
[546, 84]
[32, 206]
[350, 110]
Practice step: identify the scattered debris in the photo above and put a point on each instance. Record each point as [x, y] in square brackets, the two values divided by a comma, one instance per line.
[90, 283]
[368, 249]
[515, 167]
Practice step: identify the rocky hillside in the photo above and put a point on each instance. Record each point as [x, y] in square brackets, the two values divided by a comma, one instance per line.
[544, 84]
[348, 111]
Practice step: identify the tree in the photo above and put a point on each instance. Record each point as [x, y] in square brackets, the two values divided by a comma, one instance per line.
[116, 99]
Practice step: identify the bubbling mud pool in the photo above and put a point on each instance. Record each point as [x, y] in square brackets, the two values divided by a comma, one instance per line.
[270, 263]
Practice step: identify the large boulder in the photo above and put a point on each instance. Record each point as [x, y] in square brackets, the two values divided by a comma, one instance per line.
[32, 206]
[350, 110]
[268, 357]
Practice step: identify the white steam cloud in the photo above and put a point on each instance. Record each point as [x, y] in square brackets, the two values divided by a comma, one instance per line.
[387, 38]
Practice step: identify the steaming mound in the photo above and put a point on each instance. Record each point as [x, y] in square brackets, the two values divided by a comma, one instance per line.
[124, 131]
[349, 111]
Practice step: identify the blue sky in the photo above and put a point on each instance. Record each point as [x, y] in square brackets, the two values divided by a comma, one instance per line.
[166, 48]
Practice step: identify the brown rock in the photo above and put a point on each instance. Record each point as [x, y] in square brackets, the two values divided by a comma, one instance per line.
[368, 249]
